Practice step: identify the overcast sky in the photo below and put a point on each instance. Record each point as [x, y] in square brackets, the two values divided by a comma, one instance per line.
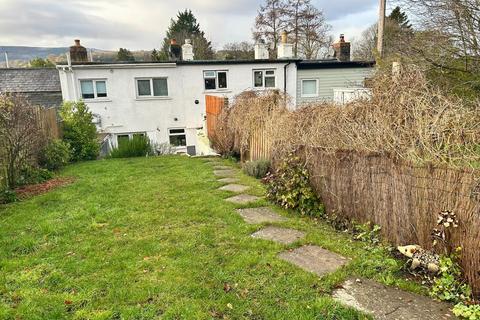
[141, 24]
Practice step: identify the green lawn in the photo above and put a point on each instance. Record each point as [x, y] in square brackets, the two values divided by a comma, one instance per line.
[152, 238]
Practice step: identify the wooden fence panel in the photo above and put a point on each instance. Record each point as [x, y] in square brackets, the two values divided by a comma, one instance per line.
[214, 106]
[48, 122]
[259, 145]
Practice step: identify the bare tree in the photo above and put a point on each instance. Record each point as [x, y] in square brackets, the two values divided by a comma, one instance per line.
[313, 35]
[295, 12]
[237, 51]
[21, 137]
[270, 21]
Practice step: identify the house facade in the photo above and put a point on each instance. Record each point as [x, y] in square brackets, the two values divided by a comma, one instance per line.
[166, 100]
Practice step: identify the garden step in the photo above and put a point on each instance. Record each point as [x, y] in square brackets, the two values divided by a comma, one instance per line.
[228, 180]
[260, 215]
[216, 167]
[234, 188]
[314, 259]
[242, 199]
[224, 173]
[280, 235]
[387, 303]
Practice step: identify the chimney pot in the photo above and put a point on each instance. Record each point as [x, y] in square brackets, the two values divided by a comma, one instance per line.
[173, 41]
[284, 37]
[284, 49]
[77, 42]
[342, 49]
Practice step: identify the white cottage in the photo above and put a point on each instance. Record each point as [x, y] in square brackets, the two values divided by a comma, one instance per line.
[166, 100]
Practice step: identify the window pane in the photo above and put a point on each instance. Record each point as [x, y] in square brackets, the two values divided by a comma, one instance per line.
[178, 140]
[269, 82]
[101, 89]
[160, 87]
[209, 74]
[270, 72]
[177, 131]
[87, 89]
[210, 84]
[144, 88]
[222, 80]
[122, 139]
[309, 87]
[136, 135]
[258, 79]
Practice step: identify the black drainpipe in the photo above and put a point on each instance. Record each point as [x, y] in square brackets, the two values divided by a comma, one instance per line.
[285, 81]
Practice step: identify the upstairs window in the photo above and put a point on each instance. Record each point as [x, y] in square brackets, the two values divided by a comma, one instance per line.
[264, 79]
[177, 137]
[92, 89]
[214, 80]
[152, 87]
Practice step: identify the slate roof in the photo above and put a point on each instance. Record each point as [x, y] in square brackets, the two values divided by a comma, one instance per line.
[29, 80]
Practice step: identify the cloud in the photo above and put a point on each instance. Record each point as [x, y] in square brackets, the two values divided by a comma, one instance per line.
[141, 24]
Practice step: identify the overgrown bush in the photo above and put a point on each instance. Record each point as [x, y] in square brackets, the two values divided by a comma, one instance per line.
[289, 187]
[465, 311]
[33, 175]
[257, 168]
[138, 146]
[55, 155]
[7, 196]
[79, 131]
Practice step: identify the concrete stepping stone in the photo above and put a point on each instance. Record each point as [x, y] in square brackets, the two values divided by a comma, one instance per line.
[280, 235]
[234, 188]
[314, 259]
[224, 173]
[242, 199]
[260, 215]
[228, 180]
[222, 167]
[387, 303]
[211, 159]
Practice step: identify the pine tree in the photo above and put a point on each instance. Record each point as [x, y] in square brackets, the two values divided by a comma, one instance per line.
[185, 26]
[400, 18]
[125, 55]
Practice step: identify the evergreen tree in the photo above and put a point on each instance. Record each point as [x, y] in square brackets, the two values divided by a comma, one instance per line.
[185, 26]
[400, 17]
[125, 55]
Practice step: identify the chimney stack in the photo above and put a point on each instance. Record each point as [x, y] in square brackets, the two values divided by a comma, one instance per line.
[187, 50]
[261, 51]
[342, 49]
[285, 49]
[175, 50]
[78, 53]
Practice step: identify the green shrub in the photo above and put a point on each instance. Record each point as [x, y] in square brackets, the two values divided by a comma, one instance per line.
[138, 146]
[7, 196]
[470, 312]
[257, 168]
[79, 131]
[55, 155]
[289, 187]
[33, 175]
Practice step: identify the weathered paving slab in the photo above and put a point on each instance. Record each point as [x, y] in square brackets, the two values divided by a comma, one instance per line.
[314, 259]
[216, 167]
[212, 159]
[228, 180]
[260, 215]
[242, 199]
[234, 188]
[280, 235]
[388, 303]
[224, 173]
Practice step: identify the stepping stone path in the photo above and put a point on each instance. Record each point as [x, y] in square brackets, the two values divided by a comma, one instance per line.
[260, 215]
[228, 180]
[314, 259]
[280, 235]
[382, 302]
[387, 303]
[242, 199]
[234, 188]
[224, 173]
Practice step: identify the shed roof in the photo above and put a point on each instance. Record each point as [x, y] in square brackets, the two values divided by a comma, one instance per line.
[29, 80]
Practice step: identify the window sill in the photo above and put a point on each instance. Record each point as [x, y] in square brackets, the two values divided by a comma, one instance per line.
[96, 100]
[152, 98]
[310, 96]
[218, 91]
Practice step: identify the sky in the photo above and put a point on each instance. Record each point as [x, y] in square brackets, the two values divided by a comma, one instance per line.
[141, 24]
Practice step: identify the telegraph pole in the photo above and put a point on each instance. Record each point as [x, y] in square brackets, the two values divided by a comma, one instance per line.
[381, 27]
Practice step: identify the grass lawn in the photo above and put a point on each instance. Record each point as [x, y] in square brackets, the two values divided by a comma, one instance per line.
[151, 238]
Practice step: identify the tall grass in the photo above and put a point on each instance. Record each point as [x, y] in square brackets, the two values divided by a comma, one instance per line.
[138, 146]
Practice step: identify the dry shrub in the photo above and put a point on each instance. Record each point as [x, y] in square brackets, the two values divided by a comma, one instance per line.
[406, 118]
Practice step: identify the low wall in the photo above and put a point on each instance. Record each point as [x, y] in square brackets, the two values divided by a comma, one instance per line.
[403, 199]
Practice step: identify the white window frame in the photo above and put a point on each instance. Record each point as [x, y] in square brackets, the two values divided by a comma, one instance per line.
[316, 86]
[216, 79]
[129, 134]
[94, 83]
[264, 75]
[178, 134]
[151, 96]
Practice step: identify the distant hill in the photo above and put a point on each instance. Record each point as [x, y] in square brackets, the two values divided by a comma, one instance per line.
[19, 56]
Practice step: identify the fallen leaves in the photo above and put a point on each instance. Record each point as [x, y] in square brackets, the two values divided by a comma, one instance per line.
[28, 191]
